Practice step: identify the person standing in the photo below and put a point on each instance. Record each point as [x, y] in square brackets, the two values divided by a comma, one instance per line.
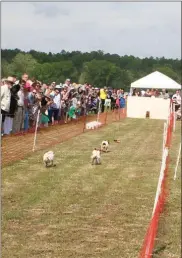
[54, 108]
[19, 116]
[103, 96]
[5, 99]
[113, 99]
[108, 100]
[27, 89]
[122, 100]
[177, 96]
[164, 94]
[8, 124]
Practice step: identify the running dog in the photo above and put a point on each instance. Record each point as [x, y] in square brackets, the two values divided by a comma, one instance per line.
[48, 158]
[95, 158]
[105, 146]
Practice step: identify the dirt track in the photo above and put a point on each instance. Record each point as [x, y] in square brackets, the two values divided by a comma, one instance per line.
[17, 147]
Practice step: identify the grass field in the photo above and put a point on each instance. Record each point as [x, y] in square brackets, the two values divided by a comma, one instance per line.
[79, 210]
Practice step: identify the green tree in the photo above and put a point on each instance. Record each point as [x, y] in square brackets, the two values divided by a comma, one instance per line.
[5, 68]
[167, 70]
[96, 67]
[22, 63]
[101, 73]
[57, 71]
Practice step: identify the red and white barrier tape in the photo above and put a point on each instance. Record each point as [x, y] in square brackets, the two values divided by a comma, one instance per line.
[148, 245]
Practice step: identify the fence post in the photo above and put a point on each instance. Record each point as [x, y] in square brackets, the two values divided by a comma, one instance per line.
[35, 136]
[174, 118]
[84, 123]
[120, 110]
[177, 162]
[164, 138]
[99, 111]
[105, 122]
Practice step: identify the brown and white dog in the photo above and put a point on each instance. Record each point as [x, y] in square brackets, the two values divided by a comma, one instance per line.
[48, 158]
[105, 146]
[95, 158]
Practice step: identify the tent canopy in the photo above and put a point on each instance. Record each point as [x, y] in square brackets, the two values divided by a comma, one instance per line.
[156, 80]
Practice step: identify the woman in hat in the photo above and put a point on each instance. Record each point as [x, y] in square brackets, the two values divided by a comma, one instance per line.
[13, 106]
[27, 89]
[5, 103]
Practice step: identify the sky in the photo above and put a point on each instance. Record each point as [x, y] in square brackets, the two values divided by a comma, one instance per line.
[124, 28]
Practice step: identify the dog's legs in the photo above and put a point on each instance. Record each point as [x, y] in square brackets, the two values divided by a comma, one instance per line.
[96, 161]
[52, 163]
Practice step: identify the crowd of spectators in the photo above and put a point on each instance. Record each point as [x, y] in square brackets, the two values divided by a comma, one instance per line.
[155, 93]
[26, 102]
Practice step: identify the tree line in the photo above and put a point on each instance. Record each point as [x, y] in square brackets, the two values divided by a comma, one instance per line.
[97, 68]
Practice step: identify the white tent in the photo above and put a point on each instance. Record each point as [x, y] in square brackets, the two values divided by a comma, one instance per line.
[155, 80]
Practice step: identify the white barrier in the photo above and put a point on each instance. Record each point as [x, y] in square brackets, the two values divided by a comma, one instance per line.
[161, 176]
[164, 137]
[138, 106]
[174, 119]
[177, 162]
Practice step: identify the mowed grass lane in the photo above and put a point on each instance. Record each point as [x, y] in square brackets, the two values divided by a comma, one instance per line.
[79, 210]
[169, 237]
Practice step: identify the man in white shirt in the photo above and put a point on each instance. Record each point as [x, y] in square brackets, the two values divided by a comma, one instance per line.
[177, 96]
[5, 98]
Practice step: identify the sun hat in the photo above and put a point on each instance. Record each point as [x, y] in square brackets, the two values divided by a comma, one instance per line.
[58, 87]
[10, 79]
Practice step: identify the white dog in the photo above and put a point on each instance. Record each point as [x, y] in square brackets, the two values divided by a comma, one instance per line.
[105, 146]
[48, 158]
[96, 159]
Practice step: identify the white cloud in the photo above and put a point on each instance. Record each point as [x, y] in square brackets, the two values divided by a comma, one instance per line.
[140, 29]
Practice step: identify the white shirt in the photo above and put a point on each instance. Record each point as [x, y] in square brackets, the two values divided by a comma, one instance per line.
[57, 101]
[143, 93]
[74, 102]
[21, 98]
[178, 98]
[5, 97]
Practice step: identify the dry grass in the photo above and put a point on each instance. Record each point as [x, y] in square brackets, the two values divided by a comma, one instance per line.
[78, 210]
